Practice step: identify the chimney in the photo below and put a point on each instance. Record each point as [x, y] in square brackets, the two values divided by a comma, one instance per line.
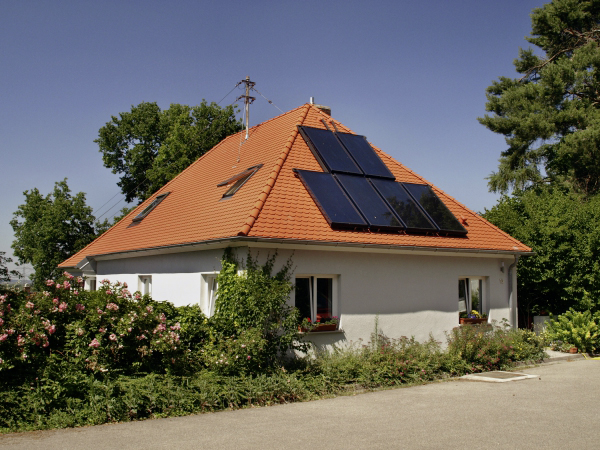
[325, 109]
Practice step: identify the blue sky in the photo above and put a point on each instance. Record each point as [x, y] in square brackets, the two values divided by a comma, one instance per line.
[410, 75]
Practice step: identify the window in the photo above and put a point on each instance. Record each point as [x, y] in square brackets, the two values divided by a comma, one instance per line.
[238, 180]
[315, 297]
[145, 284]
[208, 293]
[150, 207]
[90, 283]
[470, 295]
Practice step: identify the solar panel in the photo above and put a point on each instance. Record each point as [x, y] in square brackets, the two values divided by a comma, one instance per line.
[369, 202]
[362, 152]
[329, 151]
[335, 206]
[404, 205]
[435, 208]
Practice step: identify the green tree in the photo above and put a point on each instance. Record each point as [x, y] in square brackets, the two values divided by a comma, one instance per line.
[149, 146]
[5, 274]
[50, 229]
[550, 115]
[563, 230]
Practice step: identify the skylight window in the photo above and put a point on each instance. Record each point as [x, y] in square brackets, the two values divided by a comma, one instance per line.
[237, 181]
[150, 207]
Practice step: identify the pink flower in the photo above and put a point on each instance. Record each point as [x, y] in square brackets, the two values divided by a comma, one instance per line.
[243, 345]
[46, 344]
[80, 280]
[29, 305]
[51, 329]
[75, 292]
[46, 294]
[20, 341]
[67, 285]
[129, 330]
[249, 357]
[94, 343]
[102, 330]
[137, 296]
[49, 282]
[55, 301]
[149, 308]
[176, 327]
[80, 332]
[3, 337]
[109, 292]
[1, 322]
[112, 307]
[62, 307]
[79, 307]
[100, 311]
[113, 337]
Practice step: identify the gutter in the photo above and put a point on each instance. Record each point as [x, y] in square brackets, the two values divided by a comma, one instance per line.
[341, 246]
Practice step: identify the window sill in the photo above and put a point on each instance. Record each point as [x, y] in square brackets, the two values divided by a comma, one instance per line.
[339, 330]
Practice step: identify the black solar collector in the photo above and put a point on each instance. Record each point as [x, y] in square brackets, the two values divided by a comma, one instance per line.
[364, 155]
[331, 199]
[369, 202]
[435, 208]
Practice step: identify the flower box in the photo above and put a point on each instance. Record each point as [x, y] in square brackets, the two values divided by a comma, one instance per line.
[467, 321]
[319, 327]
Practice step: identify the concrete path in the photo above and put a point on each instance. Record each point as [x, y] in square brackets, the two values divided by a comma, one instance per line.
[556, 410]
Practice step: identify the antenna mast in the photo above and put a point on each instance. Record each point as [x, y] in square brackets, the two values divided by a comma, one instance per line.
[247, 100]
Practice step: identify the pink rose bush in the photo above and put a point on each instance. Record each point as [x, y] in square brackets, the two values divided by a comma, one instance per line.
[99, 331]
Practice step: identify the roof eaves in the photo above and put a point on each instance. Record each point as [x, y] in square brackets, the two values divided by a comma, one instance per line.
[262, 198]
[244, 240]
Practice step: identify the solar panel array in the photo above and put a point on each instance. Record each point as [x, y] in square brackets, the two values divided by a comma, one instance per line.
[358, 191]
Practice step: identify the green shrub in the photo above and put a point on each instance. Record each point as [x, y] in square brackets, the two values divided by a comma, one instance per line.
[490, 347]
[256, 301]
[576, 328]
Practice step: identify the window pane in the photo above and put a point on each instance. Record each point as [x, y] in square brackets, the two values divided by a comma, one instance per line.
[324, 298]
[303, 296]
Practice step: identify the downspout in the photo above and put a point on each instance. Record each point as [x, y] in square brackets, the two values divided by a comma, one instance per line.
[512, 297]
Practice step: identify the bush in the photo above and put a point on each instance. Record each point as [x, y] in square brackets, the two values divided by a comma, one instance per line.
[254, 303]
[577, 329]
[489, 347]
[107, 330]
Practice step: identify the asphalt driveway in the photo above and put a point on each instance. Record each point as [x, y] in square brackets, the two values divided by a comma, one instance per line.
[556, 410]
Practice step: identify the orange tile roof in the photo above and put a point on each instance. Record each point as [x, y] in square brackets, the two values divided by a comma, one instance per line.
[273, 203]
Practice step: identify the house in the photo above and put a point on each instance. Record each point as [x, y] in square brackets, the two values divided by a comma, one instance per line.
[371, 240]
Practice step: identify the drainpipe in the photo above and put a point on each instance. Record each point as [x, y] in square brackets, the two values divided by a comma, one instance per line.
[512, 297]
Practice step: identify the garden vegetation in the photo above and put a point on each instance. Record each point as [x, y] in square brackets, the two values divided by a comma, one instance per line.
[70, 357]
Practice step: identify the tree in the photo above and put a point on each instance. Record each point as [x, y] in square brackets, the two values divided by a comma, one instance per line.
[563, 230]
[50, 229]
[150, 147]
[551, 114]
[5, 274]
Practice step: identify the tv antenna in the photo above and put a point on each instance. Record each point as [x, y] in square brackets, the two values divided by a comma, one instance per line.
[247, 101]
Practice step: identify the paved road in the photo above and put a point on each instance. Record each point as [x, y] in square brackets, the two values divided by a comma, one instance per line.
[557, 410]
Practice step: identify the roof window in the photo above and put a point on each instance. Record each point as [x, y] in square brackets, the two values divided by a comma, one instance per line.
[150, 207]
[237, 181]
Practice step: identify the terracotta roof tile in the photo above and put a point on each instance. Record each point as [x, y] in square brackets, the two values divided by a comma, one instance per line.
[273, 203]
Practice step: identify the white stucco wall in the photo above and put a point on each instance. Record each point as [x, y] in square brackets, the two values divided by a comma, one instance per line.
[409, 294]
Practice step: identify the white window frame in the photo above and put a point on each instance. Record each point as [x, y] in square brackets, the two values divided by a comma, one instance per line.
[313, 295]
[482, 294]
[90, 281]
[145, 284]
[208, 292]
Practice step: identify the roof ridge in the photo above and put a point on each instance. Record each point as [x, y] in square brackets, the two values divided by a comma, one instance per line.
[459, 204]
[262, 198]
